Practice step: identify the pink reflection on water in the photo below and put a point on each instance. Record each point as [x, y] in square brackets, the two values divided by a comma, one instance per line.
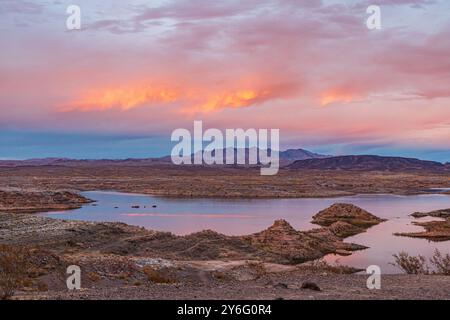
[193, 215]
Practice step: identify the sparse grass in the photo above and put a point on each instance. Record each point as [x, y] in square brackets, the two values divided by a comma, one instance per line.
[13, 269]
[440, 264]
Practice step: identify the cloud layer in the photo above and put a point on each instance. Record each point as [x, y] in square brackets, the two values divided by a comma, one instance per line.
[310, 68]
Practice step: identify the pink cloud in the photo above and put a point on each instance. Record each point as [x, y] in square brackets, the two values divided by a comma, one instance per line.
[281, 62]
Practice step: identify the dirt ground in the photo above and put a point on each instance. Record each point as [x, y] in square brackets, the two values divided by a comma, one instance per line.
[283, 285]
[220, 182]
[119, 261]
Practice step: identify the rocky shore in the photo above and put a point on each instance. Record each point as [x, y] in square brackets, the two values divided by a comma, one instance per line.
[438, 230]
[279, 243]
[29, 200]
[116, 254]
[120, 261]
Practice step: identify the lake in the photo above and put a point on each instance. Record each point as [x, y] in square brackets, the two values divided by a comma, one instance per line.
[244, 216]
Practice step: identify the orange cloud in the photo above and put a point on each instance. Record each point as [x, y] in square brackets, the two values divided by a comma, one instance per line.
[122, 98]
[203, 100]
[336, 96]
[233, 99]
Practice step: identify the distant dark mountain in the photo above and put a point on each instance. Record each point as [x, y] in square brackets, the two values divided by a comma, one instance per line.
[368, 163]
[291, 159]
[75, 163]
[286, 157]
[300, 154]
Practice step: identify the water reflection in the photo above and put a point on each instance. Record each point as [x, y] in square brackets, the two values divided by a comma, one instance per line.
[244, 216]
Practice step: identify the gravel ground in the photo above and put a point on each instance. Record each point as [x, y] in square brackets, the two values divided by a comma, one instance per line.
[280, 286]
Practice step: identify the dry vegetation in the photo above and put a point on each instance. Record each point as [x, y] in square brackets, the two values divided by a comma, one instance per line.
[219, 181]
[14, 264]
[438, 264]
[157, 276]
[320, 266]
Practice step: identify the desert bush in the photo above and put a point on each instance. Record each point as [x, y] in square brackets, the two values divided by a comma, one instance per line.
[42, 286]
[156, 276]
[94, 276]
[441, 263]
[411, 264]
[257, 267]
[13, 269]
[437, 264]
[320, 266]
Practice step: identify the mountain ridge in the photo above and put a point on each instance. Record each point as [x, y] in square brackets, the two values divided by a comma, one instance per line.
[368, 163]
[286, 157]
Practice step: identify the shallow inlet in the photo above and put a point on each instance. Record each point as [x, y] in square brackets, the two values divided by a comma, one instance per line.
[244, 216]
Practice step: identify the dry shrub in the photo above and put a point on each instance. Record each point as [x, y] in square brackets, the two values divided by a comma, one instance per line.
[219, 275]
[42, 286]
[13, 269]
[320, 266]
[156, 276]
[94, 276]
[411, 264]
[440, 264]
[257, 267]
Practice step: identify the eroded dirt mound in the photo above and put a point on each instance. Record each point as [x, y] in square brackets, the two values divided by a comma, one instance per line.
[443, 213]
[279, 243]
[294, 246]
[434, 230]
[348, 213]
[34, 201]
[343, 229]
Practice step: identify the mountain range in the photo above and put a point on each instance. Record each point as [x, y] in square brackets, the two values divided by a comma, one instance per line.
[286, 157]
[369, 163]
[292, 159]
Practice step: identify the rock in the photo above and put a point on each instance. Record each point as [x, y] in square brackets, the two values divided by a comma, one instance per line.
[281, 285]
[310, 286]
[434, 230]
[444, 213]
[30, 201]
[154, 206]
[135, 207]
[343, 229]
[419, 214]
[348, 213]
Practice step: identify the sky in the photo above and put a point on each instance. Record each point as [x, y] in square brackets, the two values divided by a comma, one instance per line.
[137, 70]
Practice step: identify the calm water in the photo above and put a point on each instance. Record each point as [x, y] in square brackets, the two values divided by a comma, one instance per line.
[243, 216]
